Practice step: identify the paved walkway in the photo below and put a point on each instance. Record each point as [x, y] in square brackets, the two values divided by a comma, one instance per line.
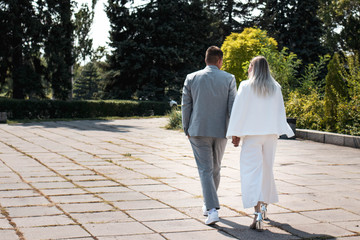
[132, 179]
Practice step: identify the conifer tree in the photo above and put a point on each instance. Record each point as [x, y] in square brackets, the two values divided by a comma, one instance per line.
[295, 25]
[155, 46]
[20, 62]
[59, 48]
[86, 85]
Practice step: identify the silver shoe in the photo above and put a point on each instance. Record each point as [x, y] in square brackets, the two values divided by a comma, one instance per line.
[264, 211]
[258, 224]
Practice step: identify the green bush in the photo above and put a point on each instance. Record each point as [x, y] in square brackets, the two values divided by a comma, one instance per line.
[175, 120]
[308, 109]
[51, 109]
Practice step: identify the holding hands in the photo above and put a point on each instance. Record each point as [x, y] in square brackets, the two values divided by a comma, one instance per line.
[235, 141]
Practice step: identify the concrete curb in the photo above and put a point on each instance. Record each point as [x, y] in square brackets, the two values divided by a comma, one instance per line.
[330, 138]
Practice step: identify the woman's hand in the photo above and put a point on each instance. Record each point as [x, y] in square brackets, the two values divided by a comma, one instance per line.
[235, 141]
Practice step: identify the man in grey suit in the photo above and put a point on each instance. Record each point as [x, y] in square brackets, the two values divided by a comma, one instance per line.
[207, 99]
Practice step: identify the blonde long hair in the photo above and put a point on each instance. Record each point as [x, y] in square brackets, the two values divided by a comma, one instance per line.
[260, 77]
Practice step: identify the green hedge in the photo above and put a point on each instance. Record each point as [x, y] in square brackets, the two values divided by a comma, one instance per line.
[50, 109]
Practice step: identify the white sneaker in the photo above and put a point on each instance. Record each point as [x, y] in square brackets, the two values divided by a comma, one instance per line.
[205, 211]
[213, 217]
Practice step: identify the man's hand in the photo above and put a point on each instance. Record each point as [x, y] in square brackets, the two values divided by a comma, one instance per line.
[235, 141]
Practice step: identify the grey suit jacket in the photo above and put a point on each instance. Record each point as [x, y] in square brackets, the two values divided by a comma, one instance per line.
[207, 100]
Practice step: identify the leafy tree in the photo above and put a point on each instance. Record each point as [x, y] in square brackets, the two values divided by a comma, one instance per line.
[240, 48]
[283, 66]
[276, 18]
[20, 61]
[311, 79]
[83, 21]
[232, 16]
[295, 25]
[155, 46]
[59, 47]
[341, 24]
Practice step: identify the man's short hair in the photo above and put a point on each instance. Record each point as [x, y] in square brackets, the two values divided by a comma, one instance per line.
[213, 54]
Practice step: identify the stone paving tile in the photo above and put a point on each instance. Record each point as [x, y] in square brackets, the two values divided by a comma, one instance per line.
[140, 204]
[134, 237]
[32, 211]
[54, 232]
[40, 221]
[290, 218]
[239, 228]
[332, 216]
[117, 229]
[109, 189]
[353, 226]
[85, 207]
[86, 198]
[156, 173]
[346, 238]
[196, 235]
[53, 185]
[97, 183]
[123, 196]
[14, 186]
[152, 188]
[44, 179]
[185, 202]
[316, 230]
[176, 225]
[101, 217]
[63, 191]
[84, 178]
[4, 223]
[24, 201]
[156, 214]
[18, 193]
[166, 195]
[8, 234]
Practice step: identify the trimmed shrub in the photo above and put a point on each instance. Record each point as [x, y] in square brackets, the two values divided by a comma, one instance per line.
[50, 109]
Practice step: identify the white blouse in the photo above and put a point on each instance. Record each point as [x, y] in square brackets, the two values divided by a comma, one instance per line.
[258, 115]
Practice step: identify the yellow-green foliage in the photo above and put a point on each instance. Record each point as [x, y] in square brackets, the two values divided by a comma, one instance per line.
[240, 48]
[348, 112]
[283, 67]
[335, 91]
[308, 109]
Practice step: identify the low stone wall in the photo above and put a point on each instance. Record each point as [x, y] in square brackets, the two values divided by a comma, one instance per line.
[331, 138]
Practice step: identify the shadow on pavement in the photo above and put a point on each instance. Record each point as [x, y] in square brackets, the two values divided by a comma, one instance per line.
[296, 232]
[242, 232]
[84, 125]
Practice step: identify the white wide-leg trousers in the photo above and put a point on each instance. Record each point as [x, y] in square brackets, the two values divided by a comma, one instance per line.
[256, 169]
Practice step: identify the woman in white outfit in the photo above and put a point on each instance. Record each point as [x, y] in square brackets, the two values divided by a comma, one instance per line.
[258, 118]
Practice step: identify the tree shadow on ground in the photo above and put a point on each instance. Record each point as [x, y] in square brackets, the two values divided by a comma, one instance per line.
[84, 125]
[296, 232]
[242, 232]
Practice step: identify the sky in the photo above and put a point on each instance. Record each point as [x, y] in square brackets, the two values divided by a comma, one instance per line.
[101, 26]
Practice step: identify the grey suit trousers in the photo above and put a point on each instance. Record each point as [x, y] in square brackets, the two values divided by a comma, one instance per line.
[208, 153]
